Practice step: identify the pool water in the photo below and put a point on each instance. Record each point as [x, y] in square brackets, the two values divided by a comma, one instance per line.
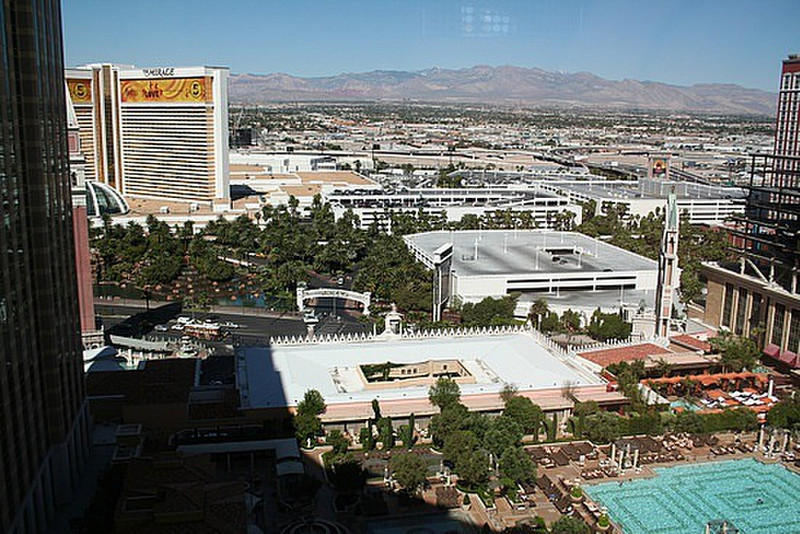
[686, 405]
[757, 498]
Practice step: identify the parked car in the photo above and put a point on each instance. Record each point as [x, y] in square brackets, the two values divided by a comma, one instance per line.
[178, 326]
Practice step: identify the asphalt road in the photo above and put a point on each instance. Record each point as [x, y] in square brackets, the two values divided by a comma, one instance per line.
[253, 329]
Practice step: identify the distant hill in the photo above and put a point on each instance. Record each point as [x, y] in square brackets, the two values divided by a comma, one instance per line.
[502, 85]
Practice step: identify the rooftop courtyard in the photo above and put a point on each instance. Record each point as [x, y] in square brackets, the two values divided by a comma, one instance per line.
[278, 376]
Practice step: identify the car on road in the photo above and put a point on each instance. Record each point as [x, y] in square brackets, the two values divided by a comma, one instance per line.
[160, 328]
[231, 325]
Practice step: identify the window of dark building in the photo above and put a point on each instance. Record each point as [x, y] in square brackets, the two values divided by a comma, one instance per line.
[777, 327]
[755, 312]
[794, 332]
[741, 310]
[727, 306]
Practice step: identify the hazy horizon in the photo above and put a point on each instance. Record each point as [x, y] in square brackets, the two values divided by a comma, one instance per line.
[679, 42]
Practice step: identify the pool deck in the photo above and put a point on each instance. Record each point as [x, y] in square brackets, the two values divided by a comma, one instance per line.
[506, 515]
[696, 455]
[777, 519]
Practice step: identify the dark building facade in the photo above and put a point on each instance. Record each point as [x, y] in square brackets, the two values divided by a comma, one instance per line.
[43, 415]
[759, 295]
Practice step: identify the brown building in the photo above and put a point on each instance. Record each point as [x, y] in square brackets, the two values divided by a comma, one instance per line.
[43, 415]
[747, 304]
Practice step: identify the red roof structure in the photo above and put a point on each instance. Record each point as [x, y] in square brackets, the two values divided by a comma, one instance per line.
[690, 342]
[606, 357]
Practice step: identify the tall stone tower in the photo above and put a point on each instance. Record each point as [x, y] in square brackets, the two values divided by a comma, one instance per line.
[667, 267]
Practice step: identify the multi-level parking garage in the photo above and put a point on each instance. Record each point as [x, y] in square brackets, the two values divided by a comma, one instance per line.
[568, 269]
[703, 204]
[376, 207]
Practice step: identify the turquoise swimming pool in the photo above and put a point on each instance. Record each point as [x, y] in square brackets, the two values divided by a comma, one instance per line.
[681, 403]
[757, 498]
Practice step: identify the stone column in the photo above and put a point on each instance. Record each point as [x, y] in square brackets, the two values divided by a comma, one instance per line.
[613, 453]
[636, 458]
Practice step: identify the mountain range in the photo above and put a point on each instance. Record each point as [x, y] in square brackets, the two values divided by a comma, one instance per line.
[507, 85]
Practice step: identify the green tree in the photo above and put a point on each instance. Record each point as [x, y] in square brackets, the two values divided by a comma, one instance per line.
[307, 427]
[579, 414]
[503, 433]
[474, 469]
[390, 272]
[444, 394]
[517, 465]
[338, 441]
[348, 475]
[539, 310]
[478, 424]
[525, 413]
[446, 422]
[785, 413]
[490, 312]
[307, 423]
[663, 367]
[603, 427]
[385, 432]
[459, 445]
[508, 392]
[605, 326]
[550, 323]
[570, 321]
[409, 438]
[409, 470]
[366, 438]
[569, 525]
[736, 353]
[689, 422]
[312, 403]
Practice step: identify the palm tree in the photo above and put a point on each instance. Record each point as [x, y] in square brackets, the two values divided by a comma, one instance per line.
[663, 367]
[539, 309]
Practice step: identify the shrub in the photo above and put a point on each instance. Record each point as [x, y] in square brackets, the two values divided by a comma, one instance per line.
[338, 441]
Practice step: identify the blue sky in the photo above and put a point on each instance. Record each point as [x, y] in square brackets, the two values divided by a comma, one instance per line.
[674, 41]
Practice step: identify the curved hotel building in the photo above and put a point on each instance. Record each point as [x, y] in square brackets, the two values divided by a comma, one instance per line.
[155, 133]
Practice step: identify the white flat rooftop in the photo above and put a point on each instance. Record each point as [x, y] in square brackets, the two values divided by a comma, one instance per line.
[279, 376]
[510, 252]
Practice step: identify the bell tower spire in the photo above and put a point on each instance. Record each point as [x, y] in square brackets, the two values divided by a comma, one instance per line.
[667, 267]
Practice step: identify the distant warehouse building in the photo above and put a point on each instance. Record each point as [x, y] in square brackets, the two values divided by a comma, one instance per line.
[155, 133]
[703, 204]
[377, 206]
